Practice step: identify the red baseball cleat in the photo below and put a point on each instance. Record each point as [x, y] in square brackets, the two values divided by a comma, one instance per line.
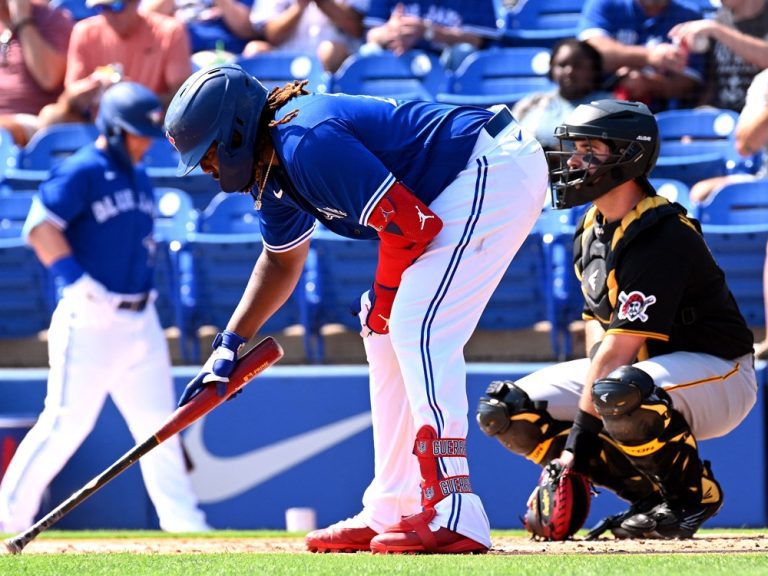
[349, 535]
[413, 536]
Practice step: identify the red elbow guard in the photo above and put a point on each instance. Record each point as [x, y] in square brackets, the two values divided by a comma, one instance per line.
[401, 214]
[406, 226]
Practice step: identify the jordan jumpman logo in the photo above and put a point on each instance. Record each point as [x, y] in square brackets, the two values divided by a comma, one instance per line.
[423, 217]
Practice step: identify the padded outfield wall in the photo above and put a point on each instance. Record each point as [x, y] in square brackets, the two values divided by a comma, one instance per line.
[300, 436]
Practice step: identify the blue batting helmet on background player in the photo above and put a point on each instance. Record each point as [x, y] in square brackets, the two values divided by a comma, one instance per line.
[223, 105]
[132, 108]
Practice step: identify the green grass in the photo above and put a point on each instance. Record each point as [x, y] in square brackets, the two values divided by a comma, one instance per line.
[155, 564]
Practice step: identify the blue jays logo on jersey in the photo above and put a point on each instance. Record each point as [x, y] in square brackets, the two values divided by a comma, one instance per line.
[633, 306]
[120, 201]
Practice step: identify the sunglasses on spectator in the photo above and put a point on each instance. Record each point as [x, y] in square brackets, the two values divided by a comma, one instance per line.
[114, 7]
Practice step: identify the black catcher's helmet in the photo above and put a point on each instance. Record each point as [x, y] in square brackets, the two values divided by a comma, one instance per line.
[628, 128]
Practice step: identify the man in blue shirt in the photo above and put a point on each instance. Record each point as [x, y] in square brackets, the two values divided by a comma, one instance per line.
[631, 36]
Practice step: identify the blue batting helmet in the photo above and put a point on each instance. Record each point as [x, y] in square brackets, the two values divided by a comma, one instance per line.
[222, 104]
[130, 107]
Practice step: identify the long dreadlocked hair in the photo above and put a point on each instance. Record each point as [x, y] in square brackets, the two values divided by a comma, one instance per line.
[277, 98]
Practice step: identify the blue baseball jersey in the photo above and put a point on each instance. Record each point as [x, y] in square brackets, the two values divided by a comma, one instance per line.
[625, 21]
[106, 213]
[472, 16]
[341, 153]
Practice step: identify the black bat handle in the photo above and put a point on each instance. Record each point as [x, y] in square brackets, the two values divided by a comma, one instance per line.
[16, 544]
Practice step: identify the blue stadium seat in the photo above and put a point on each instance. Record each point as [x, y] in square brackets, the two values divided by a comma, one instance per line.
[25, 303]
[674, 191]
[8, 151]
[541, 22]
[45, 149]
[384, 75]
[274, 69]
[14, 207]
[522, 298]
[698, 144]
[161, 162]
[175, 217]
[735, 224]
[563, 291]
[736, 203]
[213, 270]
[499, 76]
[740, 250]
[337, 272]
[229, 213]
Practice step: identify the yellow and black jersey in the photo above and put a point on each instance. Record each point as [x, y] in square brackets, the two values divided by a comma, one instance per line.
[651, 274]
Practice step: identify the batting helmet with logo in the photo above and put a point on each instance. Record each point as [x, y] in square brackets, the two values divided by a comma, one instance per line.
[219, 104]
[130, 107]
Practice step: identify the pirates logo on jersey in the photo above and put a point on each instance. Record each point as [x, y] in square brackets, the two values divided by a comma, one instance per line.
[633, 305]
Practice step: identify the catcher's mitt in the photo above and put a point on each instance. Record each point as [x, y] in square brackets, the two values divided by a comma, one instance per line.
[559, 504]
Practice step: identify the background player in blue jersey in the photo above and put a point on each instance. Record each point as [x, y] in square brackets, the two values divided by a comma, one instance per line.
[92, 227]
[450, 192]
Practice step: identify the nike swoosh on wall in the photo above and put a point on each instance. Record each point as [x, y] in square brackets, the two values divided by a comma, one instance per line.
[217, 478]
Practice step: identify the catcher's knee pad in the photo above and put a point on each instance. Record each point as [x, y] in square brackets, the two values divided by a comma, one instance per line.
[634, 410]
[429, 448]
[654, 436]
[520, 424]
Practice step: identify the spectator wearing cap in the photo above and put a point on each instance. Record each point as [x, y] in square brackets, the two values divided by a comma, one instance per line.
[33, 52]
[119, 42]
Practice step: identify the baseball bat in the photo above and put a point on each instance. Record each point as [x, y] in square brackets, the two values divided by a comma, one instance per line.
[252, 363]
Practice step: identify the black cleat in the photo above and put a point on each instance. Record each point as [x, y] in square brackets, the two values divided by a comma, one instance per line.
[669, 521]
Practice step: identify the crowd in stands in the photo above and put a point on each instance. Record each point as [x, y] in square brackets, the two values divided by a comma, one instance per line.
[670, 54]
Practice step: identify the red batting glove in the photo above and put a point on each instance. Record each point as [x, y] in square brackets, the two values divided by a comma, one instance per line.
[381, 298]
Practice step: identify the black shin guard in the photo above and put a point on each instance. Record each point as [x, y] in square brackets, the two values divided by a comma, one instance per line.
[655, 438]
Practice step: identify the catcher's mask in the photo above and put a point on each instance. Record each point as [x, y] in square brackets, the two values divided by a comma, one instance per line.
[220, 104]
[132, 108]
[628, 128]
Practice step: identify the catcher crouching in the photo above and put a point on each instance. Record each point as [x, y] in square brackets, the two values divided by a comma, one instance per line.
[670, 358]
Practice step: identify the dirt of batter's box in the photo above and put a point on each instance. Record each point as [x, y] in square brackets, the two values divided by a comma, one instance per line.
[710, 543]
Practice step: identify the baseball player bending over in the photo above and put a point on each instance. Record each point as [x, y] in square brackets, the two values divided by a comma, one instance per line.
[92, 227]
[671, 355]
[450, 193]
